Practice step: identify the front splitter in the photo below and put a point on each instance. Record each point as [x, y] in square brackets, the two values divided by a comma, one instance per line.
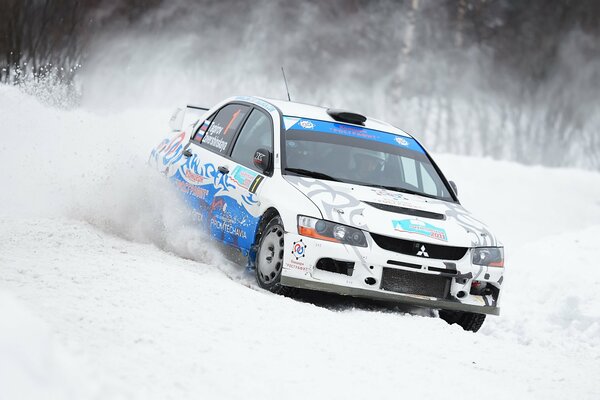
[387, 296]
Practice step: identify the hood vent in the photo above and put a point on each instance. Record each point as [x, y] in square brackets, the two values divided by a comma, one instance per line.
[407, 211]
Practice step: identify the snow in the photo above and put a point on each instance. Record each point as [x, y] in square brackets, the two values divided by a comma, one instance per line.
[32, 364]
[107, 291]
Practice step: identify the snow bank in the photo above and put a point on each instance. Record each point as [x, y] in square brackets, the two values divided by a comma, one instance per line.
[524, 204]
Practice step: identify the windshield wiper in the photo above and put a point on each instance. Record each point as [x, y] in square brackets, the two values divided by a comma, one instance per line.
[312, 174]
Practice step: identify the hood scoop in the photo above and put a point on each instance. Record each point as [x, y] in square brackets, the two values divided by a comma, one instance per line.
[347, 116]
[407, 211]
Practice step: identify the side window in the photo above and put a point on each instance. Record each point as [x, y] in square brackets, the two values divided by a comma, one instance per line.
[220, 133]
[256, 133]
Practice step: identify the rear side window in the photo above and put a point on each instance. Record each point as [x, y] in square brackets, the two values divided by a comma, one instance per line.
[219, 135]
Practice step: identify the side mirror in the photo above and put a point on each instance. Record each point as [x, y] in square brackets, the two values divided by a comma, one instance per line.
[263, 159]
[176, 121]
[454, 187]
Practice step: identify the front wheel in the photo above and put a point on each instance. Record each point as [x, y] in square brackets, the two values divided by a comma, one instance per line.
[269, 258]
[468, 321]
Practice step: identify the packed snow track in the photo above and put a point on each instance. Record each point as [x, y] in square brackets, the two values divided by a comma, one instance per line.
[106, 291]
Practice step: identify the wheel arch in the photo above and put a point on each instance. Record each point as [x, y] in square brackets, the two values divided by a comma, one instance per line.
[267, 216]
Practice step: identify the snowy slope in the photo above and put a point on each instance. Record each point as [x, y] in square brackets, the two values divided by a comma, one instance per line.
[102, 276]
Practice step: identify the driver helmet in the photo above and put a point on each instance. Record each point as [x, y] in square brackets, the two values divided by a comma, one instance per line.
[369, 160]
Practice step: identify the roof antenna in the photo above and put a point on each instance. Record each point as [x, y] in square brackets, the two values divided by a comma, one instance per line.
[286, 85]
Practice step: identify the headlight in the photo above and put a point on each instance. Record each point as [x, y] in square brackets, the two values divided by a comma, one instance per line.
[331, 231]
[488, 256]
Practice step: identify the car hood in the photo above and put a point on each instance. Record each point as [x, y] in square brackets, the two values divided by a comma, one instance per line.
[395, 214]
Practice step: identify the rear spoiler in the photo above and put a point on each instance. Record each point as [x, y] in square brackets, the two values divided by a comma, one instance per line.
[183, 117]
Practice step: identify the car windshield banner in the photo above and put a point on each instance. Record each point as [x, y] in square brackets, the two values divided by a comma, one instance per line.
[335, 128]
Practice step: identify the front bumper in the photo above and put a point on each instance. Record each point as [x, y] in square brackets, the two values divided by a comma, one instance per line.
[366, 279]
[388, 296]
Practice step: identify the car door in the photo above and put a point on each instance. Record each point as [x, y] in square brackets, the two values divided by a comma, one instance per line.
[221, 189]
[248, 180]
[203, 178]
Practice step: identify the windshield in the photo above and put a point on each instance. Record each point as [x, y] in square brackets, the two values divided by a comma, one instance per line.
[351, 154]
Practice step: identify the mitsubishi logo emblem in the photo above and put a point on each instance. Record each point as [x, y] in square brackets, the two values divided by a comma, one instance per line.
[423, 252]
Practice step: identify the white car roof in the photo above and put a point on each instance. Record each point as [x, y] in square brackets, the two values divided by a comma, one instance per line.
[295, 109]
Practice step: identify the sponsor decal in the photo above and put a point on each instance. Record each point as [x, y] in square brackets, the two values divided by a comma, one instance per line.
[215, 129]
[258, 156]
[288, 122]
[307, 124]
[219, 144]
[243, 177]
[421, 228]
[401, 141]
[351, 131]
[299, 265]
[193, 177]
[397, 199]
[202, 130]
[218, 205]
[186, 187]
[246, 178]
[254, 186]
[231, 121]
[299, 249]
[257, 101]
[388, 193]
[227, 227]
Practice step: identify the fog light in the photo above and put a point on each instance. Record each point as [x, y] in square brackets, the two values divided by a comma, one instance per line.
[478, 287]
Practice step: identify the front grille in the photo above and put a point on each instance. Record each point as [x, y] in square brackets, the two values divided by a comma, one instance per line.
[408, 282]
[434, 251]
[407, 211]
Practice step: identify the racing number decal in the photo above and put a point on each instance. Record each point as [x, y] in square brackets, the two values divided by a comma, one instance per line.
[233, 118]
[254, 186]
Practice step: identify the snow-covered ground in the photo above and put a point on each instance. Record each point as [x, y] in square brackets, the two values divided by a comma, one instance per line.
[106, 291]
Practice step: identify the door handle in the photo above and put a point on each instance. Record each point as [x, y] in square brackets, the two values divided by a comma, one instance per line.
[224, 170]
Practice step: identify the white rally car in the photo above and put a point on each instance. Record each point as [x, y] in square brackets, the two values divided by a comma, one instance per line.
[333, 201]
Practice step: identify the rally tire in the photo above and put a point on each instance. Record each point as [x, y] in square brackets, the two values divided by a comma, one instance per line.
[269, 258]
[468, 321]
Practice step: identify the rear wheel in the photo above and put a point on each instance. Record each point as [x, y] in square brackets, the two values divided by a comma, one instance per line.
[269, 258]
[468, 321]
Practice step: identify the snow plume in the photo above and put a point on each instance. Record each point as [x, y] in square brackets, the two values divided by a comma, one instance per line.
[93, 168]
[400, 62]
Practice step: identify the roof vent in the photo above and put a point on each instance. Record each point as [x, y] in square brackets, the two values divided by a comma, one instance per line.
[346, 116]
